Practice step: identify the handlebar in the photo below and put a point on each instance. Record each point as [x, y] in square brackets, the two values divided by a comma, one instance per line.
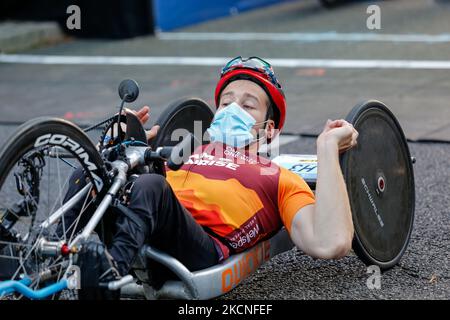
[176, 155]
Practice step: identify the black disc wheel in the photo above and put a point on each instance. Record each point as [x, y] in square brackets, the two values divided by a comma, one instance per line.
[187, 115]
[380, 184]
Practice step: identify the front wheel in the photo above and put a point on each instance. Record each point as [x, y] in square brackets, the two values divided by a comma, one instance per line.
[36, 164]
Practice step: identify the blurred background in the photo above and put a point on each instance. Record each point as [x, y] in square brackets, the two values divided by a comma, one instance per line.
[66, 61]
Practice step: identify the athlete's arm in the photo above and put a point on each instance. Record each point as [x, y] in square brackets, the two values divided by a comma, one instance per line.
[325, 229]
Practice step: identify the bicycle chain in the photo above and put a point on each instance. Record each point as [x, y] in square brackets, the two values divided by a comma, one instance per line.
[99, 124]
[108, 122]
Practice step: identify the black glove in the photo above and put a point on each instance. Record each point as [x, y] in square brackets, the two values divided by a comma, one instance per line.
[96, 265]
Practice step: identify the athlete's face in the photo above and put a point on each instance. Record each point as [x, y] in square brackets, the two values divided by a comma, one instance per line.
[252, 98]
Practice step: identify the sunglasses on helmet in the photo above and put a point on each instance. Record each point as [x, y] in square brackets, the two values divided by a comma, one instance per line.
[253, 63]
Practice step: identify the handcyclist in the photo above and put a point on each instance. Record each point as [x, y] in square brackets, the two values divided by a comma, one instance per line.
[220, 202]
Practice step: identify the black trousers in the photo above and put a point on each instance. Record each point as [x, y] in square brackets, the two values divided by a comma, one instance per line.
[167, 226]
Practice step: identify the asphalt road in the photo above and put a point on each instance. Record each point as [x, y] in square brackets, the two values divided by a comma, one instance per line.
[420, 99]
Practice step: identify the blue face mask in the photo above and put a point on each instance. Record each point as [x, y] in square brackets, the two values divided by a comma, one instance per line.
[232, 126]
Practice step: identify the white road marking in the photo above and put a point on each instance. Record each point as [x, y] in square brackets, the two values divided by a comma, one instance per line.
[305, 37]
[220, 61]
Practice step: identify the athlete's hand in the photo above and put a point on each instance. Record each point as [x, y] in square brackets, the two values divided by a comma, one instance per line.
[144, 115]
[341, 133]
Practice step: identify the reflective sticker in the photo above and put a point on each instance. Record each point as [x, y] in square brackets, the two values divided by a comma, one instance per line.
[303, 165]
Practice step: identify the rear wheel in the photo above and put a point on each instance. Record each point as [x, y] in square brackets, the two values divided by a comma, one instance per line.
[191, 115]
[36, 164]
[380, 184]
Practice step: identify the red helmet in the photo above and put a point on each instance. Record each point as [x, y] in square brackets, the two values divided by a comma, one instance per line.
[259, 71]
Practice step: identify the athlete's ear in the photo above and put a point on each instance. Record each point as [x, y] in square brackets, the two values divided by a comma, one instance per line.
[270, 129]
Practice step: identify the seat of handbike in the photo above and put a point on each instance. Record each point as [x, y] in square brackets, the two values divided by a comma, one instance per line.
[218, 279]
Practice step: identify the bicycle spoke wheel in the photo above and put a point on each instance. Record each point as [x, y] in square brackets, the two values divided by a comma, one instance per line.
[37, 165]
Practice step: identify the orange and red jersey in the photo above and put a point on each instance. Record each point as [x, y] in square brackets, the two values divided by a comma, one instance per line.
[238, 198]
